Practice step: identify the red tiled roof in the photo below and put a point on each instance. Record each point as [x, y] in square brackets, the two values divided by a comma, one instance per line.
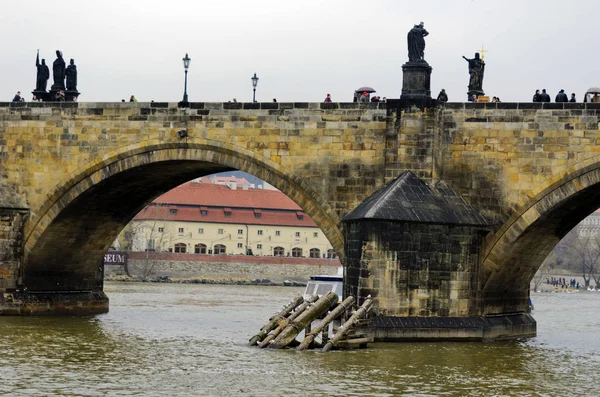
[274, 207]
[217, 215]
[209, 194]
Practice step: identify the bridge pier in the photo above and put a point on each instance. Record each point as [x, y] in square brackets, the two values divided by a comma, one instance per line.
[76, 303]
[416, 250]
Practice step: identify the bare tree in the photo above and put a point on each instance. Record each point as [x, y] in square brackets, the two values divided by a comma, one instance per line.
[150, 235]
[583, 250]
[544, 271]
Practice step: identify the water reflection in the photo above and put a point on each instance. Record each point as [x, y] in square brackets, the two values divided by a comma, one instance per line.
[190, 340]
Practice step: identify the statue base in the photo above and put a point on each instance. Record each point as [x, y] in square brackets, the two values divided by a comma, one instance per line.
[71, 95]
[477, 93]
[416, 82]
[41, 95]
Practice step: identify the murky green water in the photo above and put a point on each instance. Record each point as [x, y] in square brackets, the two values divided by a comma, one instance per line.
[190, 340]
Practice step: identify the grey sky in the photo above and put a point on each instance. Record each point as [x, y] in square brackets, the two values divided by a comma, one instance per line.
[300, 50]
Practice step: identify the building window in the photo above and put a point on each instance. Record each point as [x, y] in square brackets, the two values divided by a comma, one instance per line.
[173, 211]
[297, 234]
[150, 245]
[200, 248]
[180, 248]
[277, 233]
[259, 232]
[161, 229]
[220, 231]
[258, 246]
[297, 252]
[331, 254]
[278, 251]
[240, 231]
[316, 234]
[240, 245]
[203, 212]
[219, 249]
[300, 216]
[227, 212]
[201, 231]
[257, 215]
[315, 253]
[180, 230]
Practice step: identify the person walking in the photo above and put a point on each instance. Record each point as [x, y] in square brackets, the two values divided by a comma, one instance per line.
[561, 97]
[132, 99]
[544, 97]
[327, 98]
[18, 97]
[573, 98]
[536, 96]
[363, 97]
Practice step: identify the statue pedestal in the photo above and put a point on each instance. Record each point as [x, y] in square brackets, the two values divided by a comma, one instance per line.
[43, 95]
[70, 94]
[416, 82]
[477, 93]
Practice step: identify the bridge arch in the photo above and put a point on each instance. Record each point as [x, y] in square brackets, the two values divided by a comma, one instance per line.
[541, 219]
[69, 234]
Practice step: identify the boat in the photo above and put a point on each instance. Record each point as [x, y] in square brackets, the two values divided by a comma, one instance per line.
[321, 284]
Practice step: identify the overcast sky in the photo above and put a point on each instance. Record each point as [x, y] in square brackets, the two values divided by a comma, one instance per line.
[300, 50]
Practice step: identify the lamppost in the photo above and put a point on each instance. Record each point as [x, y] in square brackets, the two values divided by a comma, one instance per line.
[254, 84]
[186, 65]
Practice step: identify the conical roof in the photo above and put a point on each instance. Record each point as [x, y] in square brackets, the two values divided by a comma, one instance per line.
[409, 199]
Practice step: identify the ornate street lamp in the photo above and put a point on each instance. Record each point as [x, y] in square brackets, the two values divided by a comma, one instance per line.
[186, 65]
[254, 84]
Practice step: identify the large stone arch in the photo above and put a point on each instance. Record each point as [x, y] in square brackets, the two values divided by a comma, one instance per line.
[68, 235]
[540, 220]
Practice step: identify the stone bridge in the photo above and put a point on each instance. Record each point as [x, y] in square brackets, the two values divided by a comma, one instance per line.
[73, 174]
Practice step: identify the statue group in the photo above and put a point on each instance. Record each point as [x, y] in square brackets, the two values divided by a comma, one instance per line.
[416, 81]
[59, 72]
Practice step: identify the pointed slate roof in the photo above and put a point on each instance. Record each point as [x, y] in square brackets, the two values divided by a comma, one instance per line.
[409, 199]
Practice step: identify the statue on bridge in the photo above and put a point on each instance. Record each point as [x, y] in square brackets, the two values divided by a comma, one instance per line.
[416, 43]
[43, 74]
[476, 69]
[58, 69]
[71, 73]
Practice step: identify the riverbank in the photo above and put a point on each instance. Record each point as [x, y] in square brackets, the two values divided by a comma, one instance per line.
[203, 280]
[219, 269]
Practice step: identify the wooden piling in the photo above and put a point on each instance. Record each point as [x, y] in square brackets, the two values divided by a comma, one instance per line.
[282, 323]
[345, 329]
[274, 321]
[294, 327]
[335, 313]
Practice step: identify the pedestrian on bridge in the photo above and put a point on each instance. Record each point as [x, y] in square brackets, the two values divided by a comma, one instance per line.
[561, 97]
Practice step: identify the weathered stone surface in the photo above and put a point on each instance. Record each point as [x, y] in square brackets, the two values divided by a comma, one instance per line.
[84, 169]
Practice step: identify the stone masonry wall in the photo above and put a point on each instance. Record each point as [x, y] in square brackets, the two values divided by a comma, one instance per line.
[493, 154]
[414, 269]
[11, 246]
[224, 267]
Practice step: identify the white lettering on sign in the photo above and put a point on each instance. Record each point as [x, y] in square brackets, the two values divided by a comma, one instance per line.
[115, 258]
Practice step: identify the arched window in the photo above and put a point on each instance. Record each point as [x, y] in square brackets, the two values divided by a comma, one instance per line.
[296, 252]
[331, 254]
[278, 251]
[315, 253]
[200, 248]
[220, 249]
[180, 248]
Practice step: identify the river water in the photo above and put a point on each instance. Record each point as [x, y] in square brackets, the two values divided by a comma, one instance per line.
[191, 340]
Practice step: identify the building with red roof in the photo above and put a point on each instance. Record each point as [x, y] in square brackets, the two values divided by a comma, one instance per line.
[209, 218]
